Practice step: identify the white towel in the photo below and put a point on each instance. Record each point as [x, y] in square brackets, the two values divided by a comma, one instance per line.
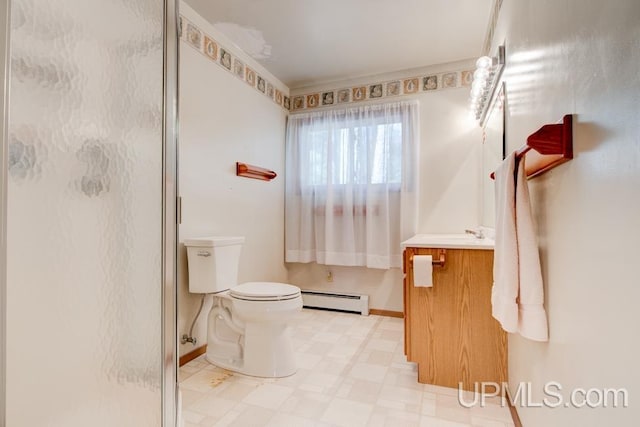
[517, 296]
[505, 259]
[422, 271]
[532, 319]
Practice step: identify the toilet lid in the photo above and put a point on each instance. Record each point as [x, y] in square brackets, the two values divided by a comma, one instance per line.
[264, 291]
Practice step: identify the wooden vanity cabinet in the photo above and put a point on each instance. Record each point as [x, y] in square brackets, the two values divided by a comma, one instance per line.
[449, 330]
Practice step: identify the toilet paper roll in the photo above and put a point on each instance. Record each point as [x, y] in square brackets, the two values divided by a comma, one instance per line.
[423, 271]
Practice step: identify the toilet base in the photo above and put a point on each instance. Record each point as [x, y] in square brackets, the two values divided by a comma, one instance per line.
[229, 364]
[267, 352]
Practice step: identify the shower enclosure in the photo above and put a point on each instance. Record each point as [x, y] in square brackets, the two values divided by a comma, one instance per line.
[88, 218]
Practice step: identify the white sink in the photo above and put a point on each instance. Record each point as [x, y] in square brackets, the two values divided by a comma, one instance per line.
[448, 241]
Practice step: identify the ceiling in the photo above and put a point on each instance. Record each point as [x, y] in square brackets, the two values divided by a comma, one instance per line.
[305, 42]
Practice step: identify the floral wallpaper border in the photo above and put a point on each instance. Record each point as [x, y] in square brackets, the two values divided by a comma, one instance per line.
[379, 90]
[213, 50]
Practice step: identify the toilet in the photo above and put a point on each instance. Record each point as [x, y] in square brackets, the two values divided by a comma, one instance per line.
[247, 327]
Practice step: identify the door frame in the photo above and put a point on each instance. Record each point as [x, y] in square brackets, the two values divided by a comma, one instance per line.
[169, 230]
[170, 216]
[4, 92]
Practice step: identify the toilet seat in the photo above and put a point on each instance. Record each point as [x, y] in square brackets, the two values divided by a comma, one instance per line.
[264, 291]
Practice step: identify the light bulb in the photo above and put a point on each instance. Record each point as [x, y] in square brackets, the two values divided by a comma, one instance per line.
[480, 74]
[484, 62]
[478, 84]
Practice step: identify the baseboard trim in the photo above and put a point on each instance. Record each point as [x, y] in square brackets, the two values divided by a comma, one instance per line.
[388, 313]
[514, 413]
[186, 358]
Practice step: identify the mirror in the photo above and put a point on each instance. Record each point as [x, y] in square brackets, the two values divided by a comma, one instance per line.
[493, 152]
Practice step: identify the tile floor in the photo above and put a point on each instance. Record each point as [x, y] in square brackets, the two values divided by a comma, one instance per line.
[352, 372]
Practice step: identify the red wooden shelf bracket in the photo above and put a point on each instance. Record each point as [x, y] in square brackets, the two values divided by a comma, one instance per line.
[552, 145]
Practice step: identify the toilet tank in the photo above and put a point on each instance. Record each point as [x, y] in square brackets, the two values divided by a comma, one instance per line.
[213, 263]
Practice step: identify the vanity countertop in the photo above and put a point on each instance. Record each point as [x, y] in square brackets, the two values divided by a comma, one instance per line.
[448, 241]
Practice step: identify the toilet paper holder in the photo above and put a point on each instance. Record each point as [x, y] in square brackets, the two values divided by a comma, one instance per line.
[438, 262]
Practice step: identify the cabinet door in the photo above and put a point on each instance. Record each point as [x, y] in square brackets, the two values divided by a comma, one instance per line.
[452, 334]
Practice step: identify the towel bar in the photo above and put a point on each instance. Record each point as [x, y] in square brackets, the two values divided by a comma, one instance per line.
[552, 145]
[255, 172]
[437, 262]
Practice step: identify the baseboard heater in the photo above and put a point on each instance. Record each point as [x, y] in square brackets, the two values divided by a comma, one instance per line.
[348, 303]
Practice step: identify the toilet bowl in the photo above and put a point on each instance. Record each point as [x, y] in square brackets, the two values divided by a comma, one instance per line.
[247, 328]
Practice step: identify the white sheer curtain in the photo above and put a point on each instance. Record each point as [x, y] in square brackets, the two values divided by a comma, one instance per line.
[351, 186]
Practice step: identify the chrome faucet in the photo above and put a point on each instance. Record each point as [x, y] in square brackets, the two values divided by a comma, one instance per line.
[478, 233]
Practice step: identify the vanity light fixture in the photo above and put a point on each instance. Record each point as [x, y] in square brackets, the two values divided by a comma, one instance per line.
[485, 80]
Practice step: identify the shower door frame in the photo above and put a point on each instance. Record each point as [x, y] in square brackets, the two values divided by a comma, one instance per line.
[4, 91]
[170, 216]
[169, 346]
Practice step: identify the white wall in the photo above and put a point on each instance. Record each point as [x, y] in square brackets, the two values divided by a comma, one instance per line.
[450, 161]
[574, 56]
[450, 155]
[224, 120]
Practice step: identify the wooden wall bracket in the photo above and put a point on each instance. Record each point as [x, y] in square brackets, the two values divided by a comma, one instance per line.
[548, 147]
[255, 172]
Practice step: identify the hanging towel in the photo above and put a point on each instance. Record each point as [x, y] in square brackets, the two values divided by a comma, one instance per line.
[505, 264]
[532, 318]
[517, 296]
[423, 271]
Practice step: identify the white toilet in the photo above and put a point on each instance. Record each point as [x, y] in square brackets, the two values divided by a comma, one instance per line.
[247, 329]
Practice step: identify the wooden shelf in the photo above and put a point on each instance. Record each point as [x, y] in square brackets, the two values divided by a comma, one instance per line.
[255, 172]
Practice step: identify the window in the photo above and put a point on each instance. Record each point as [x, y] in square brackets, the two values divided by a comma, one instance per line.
[350, 160]
[348, 175]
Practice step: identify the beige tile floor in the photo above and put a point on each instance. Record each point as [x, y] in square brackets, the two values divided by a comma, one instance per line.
[352, 372]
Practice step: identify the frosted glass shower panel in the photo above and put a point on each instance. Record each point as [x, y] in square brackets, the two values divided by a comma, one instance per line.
[84, 213]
